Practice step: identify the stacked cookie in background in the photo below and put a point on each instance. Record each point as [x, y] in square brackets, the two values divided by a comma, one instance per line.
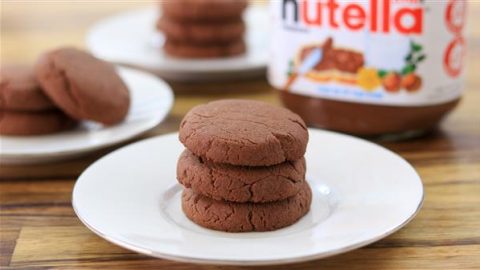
[203, 28]
[243, 167]
[64, 86]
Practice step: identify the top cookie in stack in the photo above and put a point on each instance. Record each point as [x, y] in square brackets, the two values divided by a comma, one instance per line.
[203, 28]
[244, 133]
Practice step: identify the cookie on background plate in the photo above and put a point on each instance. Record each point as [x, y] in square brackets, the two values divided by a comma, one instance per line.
[240, 183]
[20, 91]
[213, 10]
[189, 50]
[246, 217]
[34, 123]
[83, 86]
[205, 32]
[244, 132]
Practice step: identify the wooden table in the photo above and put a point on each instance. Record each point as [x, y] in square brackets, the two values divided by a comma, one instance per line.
[40, 230]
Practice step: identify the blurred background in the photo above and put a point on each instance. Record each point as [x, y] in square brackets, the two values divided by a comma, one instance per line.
[31, 27]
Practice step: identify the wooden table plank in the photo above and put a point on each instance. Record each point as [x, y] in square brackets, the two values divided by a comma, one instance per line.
[451, 257]
[89, 249]
[8, 240]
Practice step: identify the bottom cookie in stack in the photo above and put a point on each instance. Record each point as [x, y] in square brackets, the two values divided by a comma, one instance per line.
[246, 217]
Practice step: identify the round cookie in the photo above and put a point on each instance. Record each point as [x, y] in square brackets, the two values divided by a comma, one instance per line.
[213, 33]
[244, 132]
[239, 183]
[83, 86]
[34, 123]
[246, 217]
[189, 50]
[203, 10]
[19, 90]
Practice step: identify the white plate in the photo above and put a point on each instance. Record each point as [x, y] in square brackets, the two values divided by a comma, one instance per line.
[361, 193]
[151, 97]
[130, 38]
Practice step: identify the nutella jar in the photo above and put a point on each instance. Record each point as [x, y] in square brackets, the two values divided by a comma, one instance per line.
[371, 67]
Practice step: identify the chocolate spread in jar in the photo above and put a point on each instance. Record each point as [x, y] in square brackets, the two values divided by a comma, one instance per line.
[371, 67]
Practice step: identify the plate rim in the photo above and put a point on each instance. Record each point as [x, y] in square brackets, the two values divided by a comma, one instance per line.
[298, 259]
[22, 158]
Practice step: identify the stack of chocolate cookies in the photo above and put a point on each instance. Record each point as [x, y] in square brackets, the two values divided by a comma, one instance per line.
[202, 28]
[64, 86]
[243, 169]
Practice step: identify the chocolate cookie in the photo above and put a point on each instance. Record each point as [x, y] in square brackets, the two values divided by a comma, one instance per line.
[83, 86]
[202, 10]
[211, 33]
[34, 123]
[239, 183]
[244, 132]
[246, 217]
[19, 90]
[189, 50]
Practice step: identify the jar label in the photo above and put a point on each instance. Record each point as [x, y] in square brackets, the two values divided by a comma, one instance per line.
[395, 52]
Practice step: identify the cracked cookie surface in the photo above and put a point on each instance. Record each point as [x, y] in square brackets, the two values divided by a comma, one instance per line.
[83, 86]
[246, 217]
[244, 132]
[240, 183]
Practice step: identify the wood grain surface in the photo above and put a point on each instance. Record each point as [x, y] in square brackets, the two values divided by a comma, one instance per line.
[39, 230]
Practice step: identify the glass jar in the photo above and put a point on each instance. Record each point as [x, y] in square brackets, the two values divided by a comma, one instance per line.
[369, 68]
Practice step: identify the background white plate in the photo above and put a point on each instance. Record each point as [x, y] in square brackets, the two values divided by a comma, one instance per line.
[130, 38]
[151, 97]
[361, 193]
